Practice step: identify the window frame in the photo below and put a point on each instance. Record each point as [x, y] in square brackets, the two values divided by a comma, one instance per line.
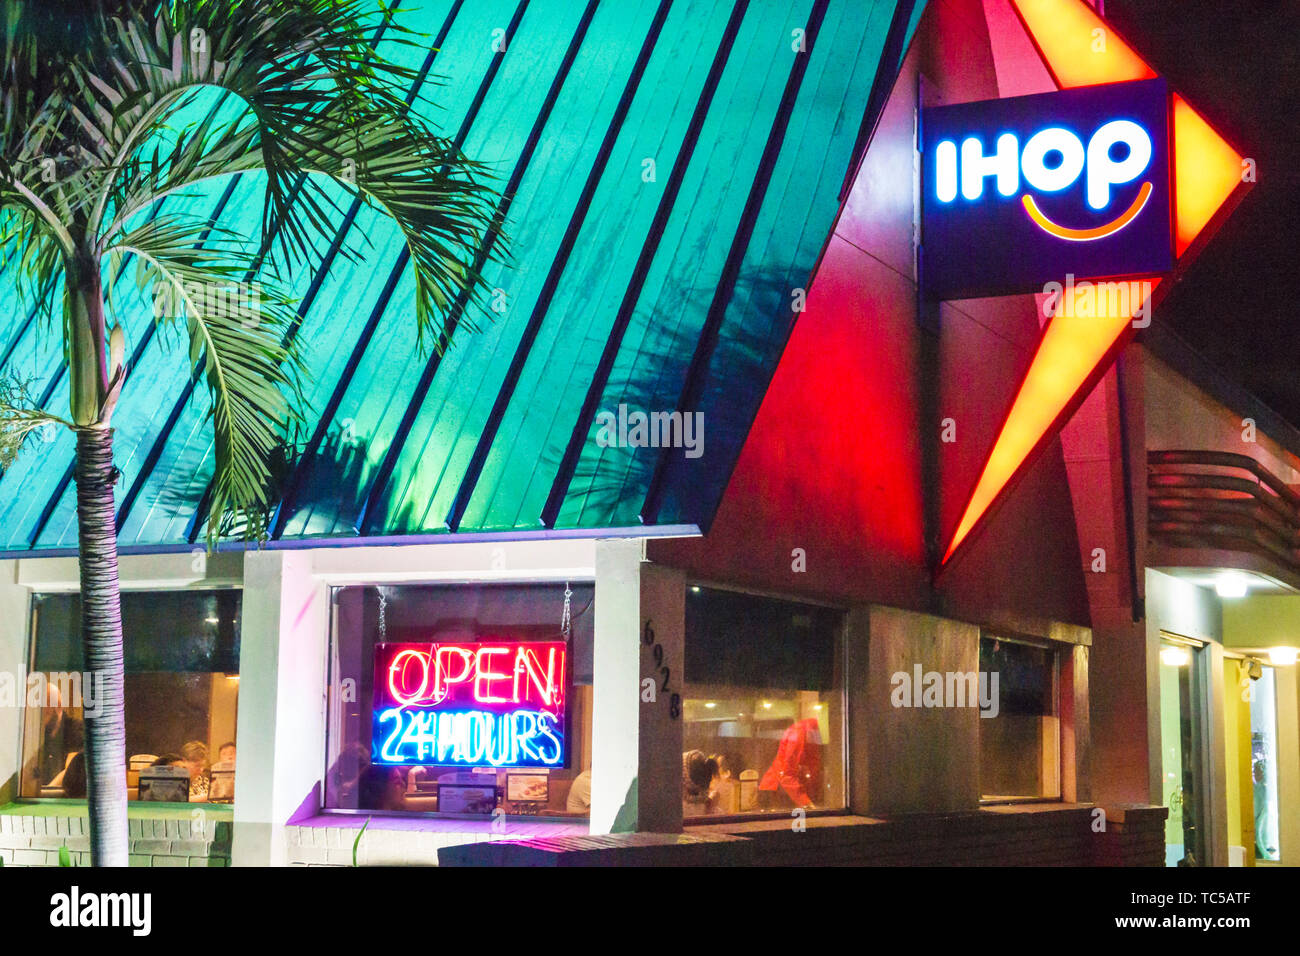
[29, 664]
[1057, 650]
[840, 657]
[331, 639]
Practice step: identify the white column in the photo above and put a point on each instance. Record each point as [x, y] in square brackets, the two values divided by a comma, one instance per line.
[281, 734]
[1287, 682]
[636, 739]
[14, 622]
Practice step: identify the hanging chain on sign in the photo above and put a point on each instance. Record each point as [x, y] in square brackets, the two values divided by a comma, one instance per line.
[383, 617]
[566, 620]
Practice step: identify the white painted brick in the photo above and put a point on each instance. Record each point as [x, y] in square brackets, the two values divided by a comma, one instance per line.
[151, 846]
[310, 854]
[135, 828]
[47, 842]
[171, 861]
[191, 848]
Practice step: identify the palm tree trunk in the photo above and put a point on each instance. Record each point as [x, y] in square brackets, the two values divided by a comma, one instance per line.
[101, 638]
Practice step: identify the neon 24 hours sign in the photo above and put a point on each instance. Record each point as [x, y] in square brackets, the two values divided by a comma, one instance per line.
[485, 704]
[1021, 191]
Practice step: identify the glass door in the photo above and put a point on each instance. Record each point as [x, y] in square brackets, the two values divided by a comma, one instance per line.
[1263, 765]
[1182, 733]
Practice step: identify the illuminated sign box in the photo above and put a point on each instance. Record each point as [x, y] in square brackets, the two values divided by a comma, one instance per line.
[1022, 191]
[481, 704]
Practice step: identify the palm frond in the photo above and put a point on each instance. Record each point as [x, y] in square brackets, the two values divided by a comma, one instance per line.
[321, 101]
[20, 418]
[240, 342]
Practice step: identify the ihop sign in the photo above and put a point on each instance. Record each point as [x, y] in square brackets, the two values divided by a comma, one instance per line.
[1022, 191]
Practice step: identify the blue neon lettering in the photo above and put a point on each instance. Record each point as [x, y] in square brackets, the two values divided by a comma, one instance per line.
[470, 738]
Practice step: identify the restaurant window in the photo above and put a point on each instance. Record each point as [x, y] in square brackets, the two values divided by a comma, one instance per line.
[1020, 734]
[763, 706]
[458, 699]
[180, 688]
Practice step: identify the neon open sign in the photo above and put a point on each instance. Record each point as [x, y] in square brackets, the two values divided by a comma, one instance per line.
[483, 704]
[1026, 190]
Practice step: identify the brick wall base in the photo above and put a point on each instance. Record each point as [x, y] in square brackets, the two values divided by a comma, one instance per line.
[1025, 835]
[35, 840]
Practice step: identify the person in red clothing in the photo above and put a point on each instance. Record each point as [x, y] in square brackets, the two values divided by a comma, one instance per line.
[797, 767]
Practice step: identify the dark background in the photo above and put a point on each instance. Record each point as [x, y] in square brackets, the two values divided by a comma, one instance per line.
[1238, 63]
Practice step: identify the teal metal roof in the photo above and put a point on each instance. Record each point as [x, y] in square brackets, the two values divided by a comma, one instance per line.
[675, 170]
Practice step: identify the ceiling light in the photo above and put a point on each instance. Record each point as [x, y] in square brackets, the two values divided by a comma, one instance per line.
[1282, 656]
[1231, 585]
[1175, 656]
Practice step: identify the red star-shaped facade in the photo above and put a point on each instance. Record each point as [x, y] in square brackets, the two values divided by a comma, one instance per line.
[1073, 355]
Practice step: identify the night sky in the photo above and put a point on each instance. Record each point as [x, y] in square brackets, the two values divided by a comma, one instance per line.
[1238, 63]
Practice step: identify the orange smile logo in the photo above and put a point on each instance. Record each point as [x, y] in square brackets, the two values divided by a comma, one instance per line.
[1096, 232]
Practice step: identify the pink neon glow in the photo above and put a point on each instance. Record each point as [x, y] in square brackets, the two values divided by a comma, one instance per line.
[497, 676]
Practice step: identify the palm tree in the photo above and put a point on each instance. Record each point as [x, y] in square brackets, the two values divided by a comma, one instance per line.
[111, 110]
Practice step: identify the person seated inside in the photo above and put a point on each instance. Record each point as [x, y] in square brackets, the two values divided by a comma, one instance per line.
[194, 757]
[383, 788]
[169, 790]
[62, 734]
[698, 771]
[74, 777]
[579, 799]
[221, 776]
[726, 785]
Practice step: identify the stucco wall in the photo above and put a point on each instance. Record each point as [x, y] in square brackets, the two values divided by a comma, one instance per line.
[845, 464]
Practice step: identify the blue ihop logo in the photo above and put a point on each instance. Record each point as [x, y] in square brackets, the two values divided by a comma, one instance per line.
[1022, 191]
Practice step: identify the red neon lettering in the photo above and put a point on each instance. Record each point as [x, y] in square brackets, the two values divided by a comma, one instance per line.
[526, 662]
[397, 677]
[485, 676]
[441, 679]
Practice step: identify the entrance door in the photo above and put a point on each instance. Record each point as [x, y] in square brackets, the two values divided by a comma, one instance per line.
[1263, 766]
[1182, 735]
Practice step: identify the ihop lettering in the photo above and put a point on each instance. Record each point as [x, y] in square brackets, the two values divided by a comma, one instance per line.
[1052, 160]
[482, 704]
[1024, 190]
